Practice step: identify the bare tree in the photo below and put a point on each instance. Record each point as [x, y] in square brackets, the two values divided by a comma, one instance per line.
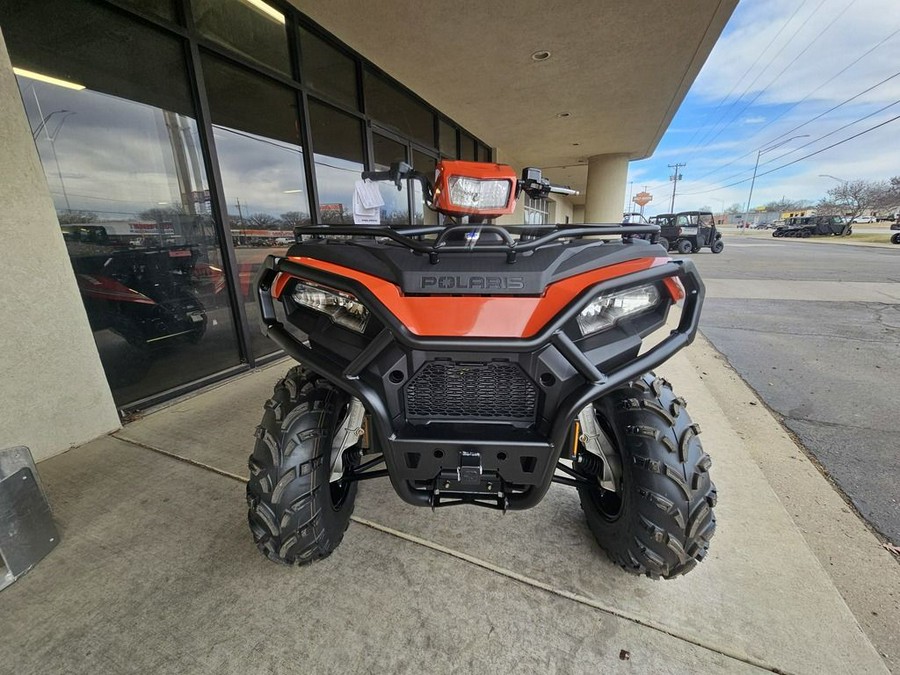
[853, 197]
[784, 204]
[263, 221]
[735, 209]
[162, 215]
[293, 219]
[76, 217]
[888, 199]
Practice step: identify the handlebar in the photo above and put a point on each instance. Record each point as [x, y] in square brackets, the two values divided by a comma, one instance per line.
[399, 172]
[563, 190]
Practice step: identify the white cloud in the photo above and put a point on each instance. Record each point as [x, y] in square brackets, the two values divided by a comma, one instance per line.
[719, 143]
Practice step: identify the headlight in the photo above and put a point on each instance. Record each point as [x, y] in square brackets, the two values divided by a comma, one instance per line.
[607, 309]
[343, 308]
[474, 193]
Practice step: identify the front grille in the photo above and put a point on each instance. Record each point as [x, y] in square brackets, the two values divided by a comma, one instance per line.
[448, 390]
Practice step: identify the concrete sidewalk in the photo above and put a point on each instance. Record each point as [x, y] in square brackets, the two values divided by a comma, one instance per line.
[156, 571]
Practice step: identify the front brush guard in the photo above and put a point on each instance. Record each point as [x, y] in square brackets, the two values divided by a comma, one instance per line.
[347, 375]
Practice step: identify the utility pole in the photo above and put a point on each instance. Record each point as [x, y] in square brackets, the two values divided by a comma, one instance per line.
[630, 196]
[675, 177]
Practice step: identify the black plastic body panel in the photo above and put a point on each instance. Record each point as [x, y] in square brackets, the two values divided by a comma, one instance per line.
[569, 371]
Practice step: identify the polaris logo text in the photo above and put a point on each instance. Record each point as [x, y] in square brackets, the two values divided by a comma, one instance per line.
[492, 283]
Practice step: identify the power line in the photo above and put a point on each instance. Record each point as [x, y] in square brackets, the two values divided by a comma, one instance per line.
[816, 140]
[820, 115]
[831, 133]
[828, 81]
[747, 72]
[799, 159]
[783, 70]
[755, 79]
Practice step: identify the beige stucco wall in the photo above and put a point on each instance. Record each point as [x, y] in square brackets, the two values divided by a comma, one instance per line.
[53, 393]
[605, 190]
[560, 209]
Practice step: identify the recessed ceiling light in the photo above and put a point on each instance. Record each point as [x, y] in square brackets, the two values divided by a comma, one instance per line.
[576, 143]
[563, 114]
[541, 55]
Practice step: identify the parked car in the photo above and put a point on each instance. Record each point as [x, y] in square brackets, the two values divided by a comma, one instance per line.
[864, 219]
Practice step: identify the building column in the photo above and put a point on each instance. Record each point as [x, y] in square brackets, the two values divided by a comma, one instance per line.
[605, 189]
[52, 384]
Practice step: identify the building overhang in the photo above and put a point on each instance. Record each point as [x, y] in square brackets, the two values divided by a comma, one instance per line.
[616, 74]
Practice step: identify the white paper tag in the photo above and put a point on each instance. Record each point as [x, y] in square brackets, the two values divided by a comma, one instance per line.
[362, 215]
[369, 194]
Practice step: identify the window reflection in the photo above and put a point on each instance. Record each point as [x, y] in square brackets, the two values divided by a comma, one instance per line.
[396, 202]
[422, 214]
[261, 163]
[466, 147]
[447, 140]
[388, 104]
[339, 161]
[328, 70]
[252, 27]
[129, 186]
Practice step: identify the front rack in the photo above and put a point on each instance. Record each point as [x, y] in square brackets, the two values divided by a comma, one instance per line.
[413, 237]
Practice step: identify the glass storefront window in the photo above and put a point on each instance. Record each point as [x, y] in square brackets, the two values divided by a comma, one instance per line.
[466, 147]
[447, 139]
[253, 28]
[396, 202]
[338, 144]
[128, 182]
[261, 163]
[328, 70]
[163, 8]
[537, 211]
[422, 215]
[391, 106]
[484, 153]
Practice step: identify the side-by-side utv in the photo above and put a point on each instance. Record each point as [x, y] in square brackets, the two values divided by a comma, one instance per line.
[476, 364]
[814, 226]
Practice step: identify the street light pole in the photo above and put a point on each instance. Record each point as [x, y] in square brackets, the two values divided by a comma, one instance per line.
[759, 154]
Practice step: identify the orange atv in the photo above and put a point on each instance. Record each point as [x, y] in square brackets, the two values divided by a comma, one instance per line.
[479, 364]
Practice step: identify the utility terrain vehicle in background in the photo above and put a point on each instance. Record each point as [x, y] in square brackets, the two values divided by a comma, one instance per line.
[814, 226]
[479, 364]
[694, 230]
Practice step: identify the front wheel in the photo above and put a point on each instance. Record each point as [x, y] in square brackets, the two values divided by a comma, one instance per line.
[895, 238]
[717, 246]
[660, 520]
[297, 514]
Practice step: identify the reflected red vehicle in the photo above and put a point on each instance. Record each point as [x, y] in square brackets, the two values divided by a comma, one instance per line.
[150, 296]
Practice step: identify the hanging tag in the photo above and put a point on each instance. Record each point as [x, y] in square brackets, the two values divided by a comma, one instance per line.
[369, 195]
[362, 215]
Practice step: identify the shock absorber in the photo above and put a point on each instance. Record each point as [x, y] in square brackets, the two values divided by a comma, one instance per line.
[589, 463]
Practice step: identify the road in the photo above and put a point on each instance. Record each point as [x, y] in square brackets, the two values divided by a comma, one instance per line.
[815, 329]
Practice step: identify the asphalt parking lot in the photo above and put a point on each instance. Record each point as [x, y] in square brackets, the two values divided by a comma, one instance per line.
[815, 329]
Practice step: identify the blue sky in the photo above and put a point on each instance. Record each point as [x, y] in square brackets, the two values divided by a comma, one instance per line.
[778, 65]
